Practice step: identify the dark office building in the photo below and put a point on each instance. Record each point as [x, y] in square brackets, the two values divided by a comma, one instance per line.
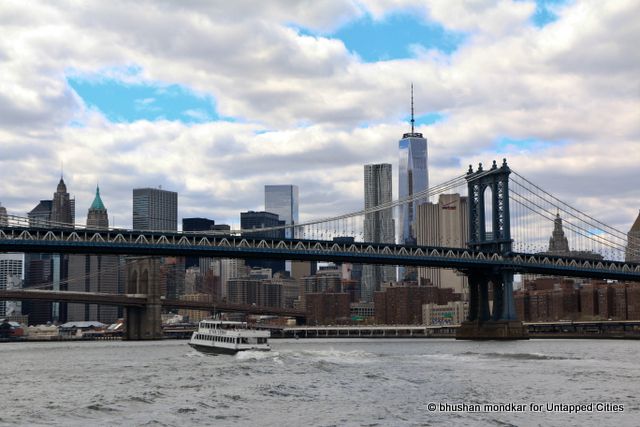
[200, 224]
[49, 271]
[250, 220]
[197, 224]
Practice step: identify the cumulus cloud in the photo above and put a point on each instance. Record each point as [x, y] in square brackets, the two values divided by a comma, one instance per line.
[309, 112]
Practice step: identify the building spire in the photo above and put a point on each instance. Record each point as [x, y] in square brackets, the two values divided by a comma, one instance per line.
[97, 201]
[412, 120]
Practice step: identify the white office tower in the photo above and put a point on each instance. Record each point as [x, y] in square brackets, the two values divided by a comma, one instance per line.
[11, 268]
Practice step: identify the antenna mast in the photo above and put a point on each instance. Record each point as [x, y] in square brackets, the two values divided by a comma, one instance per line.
[412, 120]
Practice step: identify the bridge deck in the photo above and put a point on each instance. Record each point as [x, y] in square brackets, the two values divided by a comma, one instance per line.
[149, 243]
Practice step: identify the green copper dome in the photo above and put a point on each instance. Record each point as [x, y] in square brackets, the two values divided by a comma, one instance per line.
[97, 202]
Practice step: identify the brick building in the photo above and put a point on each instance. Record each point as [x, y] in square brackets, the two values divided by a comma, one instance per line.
[402, 305]
[327, 308]
[543, 301]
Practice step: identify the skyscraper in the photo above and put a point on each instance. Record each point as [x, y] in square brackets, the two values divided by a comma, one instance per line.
[445, 223]
[558, 243]
[37, 268]
[201, 224]
[282, 200]
[11, 264]
[155, 209]
[633, 242]
[63, 208]
[251, 219]
[95, 273]
[49, 269]
[97, 216]
[413, 177]
[40, 215]
[197, 224]
[378, 226]
[63, 214]
[3, 215]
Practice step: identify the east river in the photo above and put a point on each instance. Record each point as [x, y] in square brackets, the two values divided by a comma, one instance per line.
[323, 383]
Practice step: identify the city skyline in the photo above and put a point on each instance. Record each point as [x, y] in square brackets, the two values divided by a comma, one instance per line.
[547, 85]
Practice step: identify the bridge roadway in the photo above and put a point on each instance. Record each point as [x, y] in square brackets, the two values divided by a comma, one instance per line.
[150, 243]
[140, 300]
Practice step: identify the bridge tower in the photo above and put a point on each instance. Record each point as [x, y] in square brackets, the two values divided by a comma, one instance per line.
[490, 232]
[144, 323]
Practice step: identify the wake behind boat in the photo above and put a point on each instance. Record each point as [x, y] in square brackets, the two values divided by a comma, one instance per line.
[226, 337]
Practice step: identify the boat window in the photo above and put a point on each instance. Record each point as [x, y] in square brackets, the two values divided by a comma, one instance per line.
[245, 341]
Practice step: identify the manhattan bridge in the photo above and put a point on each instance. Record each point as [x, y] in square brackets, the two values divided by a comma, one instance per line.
[509, 223]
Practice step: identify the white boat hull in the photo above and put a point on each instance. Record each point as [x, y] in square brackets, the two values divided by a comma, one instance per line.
[209, 349]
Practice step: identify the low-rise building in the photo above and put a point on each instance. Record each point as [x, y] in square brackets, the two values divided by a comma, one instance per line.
[452, 313]
[402, 304]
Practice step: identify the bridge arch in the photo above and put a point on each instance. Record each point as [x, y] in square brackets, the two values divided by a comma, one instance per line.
[132, 282]
[143, 284]
[488, 205]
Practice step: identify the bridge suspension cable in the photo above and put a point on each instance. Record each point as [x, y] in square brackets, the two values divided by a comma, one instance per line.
[587, 236]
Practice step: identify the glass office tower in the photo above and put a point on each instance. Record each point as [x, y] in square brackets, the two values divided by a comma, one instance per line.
[378, 226]
[282, 200]
[413, 177]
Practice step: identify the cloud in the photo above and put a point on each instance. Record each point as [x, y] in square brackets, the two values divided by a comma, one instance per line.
[572, 84]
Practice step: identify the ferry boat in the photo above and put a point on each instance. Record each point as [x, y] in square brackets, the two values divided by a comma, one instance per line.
[226, 337]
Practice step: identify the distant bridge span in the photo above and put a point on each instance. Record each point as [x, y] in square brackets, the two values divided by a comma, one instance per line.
[139, 300]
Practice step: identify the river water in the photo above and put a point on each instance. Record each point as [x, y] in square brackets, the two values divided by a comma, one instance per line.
[321, 383]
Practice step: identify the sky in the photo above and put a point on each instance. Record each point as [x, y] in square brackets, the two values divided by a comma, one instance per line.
[215, 99]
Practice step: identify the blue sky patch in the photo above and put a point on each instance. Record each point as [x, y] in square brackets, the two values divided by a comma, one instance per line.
[427, 119]
[544, 13]
[121, 101]
[522, 144]
[394, 37]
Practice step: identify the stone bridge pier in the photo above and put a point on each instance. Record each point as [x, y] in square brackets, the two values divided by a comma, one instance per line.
[497, 321]
[144, 323]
